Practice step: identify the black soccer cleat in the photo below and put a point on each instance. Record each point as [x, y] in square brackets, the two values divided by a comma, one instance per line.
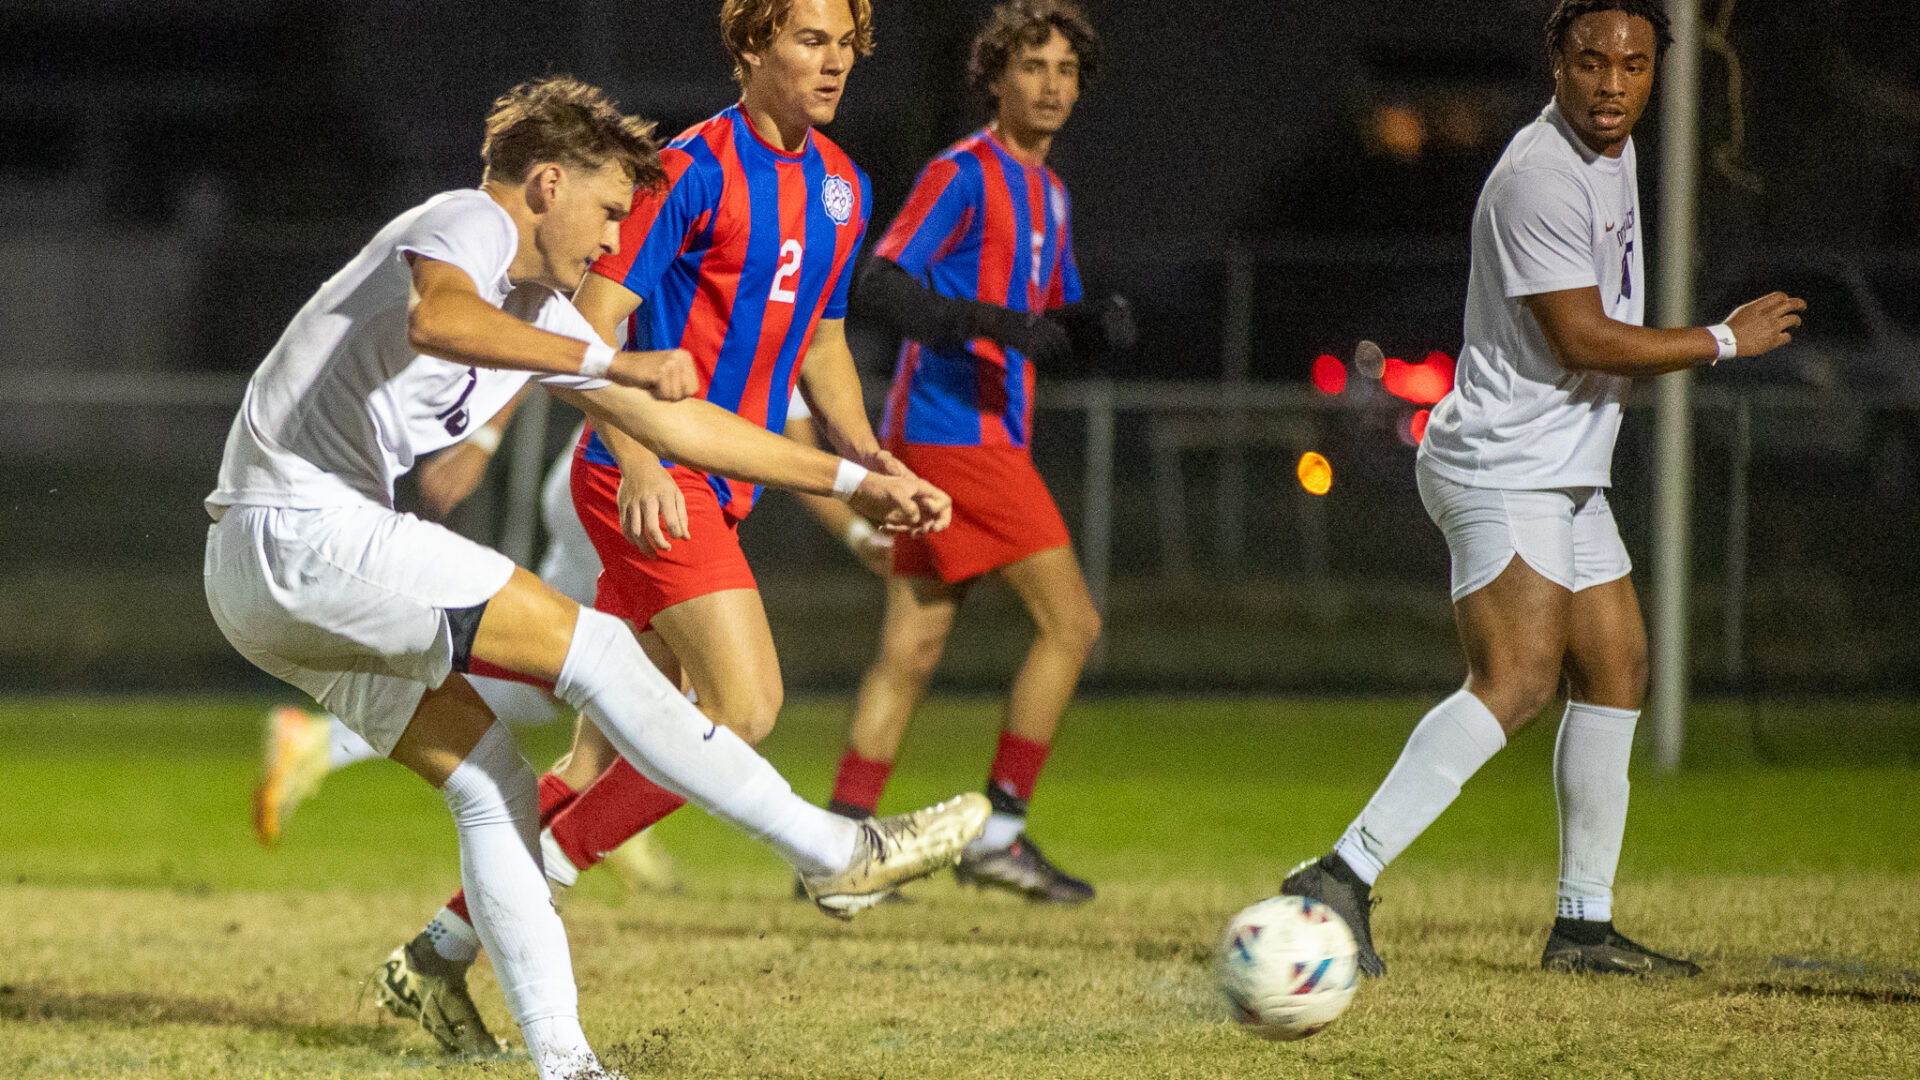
[1020, 868]
[1584, 947]
[1329, 880]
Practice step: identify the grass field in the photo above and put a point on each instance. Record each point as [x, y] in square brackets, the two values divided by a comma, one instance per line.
[142, 933]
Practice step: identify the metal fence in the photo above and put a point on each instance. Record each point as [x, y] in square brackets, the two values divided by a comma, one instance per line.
[1216, 570]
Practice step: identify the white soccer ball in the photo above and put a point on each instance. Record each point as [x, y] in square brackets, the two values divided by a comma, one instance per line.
[1288, 967]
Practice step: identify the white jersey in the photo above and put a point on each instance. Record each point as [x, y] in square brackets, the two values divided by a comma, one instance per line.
[1553, 215]
[343, 405]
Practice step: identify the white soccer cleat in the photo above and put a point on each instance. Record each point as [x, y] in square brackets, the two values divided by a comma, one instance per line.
[644, 865]
[892, 851]
[294, 760]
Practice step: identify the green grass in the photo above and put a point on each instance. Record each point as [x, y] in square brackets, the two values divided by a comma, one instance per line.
[146, 934]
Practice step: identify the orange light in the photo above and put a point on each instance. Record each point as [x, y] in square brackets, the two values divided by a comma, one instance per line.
[1315, 472]
[1399, 131]
[1329, 375]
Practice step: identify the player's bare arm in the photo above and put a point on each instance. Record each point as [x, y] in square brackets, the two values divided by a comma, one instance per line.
[831, 384]
[447, 318]
[703, 436]
[1584, 338]
[448, 477]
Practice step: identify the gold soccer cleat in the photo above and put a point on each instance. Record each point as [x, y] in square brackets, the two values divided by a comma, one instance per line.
[438, 1003]
[293, 762]
[892, 851]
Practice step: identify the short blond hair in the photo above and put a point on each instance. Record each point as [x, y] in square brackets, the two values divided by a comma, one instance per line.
[562, 120]
[749, 26]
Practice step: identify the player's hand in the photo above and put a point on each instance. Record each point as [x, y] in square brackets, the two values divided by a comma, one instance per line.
[1041, 340]
[1762, 325]
[902, 504]
[1119, 332]
[882, 462]
[450, 476]
[653, 510]
[668, 375]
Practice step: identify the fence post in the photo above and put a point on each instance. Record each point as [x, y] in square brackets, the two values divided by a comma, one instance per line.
[1096, 534]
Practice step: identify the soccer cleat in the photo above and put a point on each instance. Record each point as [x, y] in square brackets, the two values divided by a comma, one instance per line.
[1021, 869]
[1613, 954]
[438, 1003]
[1329, 880]
[644, 865]
[891, 851]
[293, 762]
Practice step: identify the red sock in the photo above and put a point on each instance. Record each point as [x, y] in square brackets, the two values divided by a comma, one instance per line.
[555, 795]
[859, 783]
[1017, 764]
[477, 666]
[610, 812]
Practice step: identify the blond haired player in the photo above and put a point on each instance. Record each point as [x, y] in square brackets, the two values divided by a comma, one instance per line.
[313, 576]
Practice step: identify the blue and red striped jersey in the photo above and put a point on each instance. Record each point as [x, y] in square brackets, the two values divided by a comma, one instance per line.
[979, 225]
[737, 260]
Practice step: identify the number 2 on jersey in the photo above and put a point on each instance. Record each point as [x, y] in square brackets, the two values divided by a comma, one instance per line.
[791, 254]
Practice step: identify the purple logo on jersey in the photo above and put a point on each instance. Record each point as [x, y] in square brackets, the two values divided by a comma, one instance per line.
[837, 196]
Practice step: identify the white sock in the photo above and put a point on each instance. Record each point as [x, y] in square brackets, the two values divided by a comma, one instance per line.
[1002, 829]
[1590, 782]
[609, 678]
[559, 1048]
[496, 809]
[560, 869]
[453, 938]
[517, 703]
[1448, 745]
[344, 747]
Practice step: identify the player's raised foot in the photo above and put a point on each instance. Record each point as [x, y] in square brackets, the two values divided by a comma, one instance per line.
[644, 865]
[891, 851]
[419, 986]
[1331, 881]
[292, 764]
[1021, 869]
[1586, 947]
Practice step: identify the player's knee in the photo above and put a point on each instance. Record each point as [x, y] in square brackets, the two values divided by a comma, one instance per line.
[1515, 686]
[752, 718]
[912, 658]
[1075, 629]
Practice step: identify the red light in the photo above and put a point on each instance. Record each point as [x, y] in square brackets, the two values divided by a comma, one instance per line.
[1424, 383]
[1417, 425]
[1329, 374]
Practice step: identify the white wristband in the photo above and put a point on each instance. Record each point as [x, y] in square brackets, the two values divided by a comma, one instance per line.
[847, 480]
[598, 361]
[485, 438]
[1723, 337]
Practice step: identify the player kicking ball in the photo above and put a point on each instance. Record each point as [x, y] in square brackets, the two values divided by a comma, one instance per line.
[978, 274]
[744, 258]
[1514, 470]
[314, 577]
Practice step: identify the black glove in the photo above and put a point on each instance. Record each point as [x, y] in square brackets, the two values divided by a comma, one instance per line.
[1099, 328]
[1039, 338]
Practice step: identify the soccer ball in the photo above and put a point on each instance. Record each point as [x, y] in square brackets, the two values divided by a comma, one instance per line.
[1287, 967]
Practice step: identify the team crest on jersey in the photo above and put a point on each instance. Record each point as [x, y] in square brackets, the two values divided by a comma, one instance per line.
[837, 196]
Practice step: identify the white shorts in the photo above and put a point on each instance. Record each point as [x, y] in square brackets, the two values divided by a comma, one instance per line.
[1567, 535]
[347, 603]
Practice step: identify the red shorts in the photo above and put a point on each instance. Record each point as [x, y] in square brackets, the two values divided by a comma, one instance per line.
[637, 582]
[1002, 511]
